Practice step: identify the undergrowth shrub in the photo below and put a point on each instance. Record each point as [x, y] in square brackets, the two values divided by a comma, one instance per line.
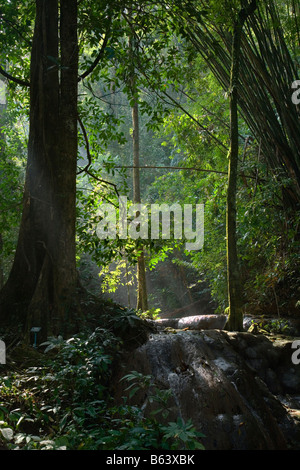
[66, 403]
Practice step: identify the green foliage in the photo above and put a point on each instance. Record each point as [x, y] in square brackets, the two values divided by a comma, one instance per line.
[277, 326]
[17, 20]
[152, 314]
[12, 168]
[185, 433]
[175, 435]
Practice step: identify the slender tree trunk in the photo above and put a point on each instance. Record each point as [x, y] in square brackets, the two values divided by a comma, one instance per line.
[42, 283]
[235, 297]
[142, 297]
[235, 318]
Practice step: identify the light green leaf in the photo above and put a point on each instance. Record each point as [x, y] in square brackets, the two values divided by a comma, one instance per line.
[7, 433]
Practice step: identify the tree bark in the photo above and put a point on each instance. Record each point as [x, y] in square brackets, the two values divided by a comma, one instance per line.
[235, 298]
[235, 317]
[41, 287]
[142, 296]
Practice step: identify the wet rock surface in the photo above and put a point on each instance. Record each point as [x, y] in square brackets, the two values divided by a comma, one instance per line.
[240, 390]
[194, 322]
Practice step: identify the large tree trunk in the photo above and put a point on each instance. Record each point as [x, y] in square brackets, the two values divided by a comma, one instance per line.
[42, 283]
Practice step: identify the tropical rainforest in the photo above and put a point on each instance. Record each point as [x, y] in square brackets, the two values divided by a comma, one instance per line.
[193, 104]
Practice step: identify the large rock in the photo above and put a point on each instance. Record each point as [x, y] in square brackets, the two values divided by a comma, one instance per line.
[203, 322]
[195, 322]
[214, 379]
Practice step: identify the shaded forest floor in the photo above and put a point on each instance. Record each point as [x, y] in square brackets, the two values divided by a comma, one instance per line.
[57, 395]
